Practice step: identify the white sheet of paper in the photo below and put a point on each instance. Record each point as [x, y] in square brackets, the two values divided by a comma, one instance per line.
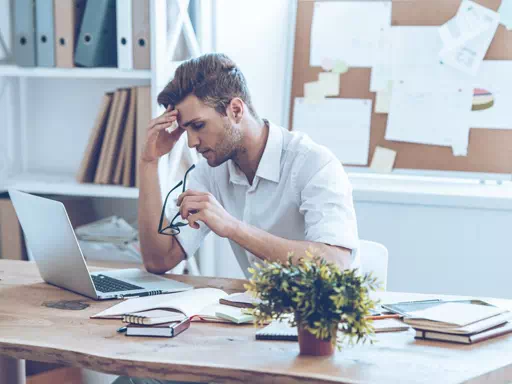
[330, 82]
[383, 160]
[468, 56]
[348, 30]
[381, 70]
[342, 125]
[430, 117]
[470, 21]
[415, 59]
[494, 76]
[505, 12]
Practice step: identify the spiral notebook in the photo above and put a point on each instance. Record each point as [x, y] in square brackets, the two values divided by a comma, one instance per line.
[283, 331]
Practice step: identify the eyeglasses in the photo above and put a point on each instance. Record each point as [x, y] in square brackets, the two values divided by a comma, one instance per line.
[174, 228]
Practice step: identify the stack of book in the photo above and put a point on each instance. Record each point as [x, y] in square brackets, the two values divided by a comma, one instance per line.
[117, 137]
[460, 322]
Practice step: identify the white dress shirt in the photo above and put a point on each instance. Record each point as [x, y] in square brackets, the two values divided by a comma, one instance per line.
[300, 192]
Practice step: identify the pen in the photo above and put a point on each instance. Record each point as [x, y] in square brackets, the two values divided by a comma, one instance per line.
[143, 294]
[122, 329]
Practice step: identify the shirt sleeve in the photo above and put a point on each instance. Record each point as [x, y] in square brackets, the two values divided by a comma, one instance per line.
[190, 238]
[328, 209]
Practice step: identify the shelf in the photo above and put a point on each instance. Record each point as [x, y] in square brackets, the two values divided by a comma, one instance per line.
[65, 185]
[74, 73]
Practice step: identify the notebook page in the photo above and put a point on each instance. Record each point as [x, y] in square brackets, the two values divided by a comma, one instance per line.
[458, 314]
[188, 302]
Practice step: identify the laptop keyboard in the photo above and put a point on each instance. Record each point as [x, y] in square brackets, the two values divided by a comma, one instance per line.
[109, 284]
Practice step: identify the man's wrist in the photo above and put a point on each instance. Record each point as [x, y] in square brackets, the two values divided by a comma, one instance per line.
[236, 228]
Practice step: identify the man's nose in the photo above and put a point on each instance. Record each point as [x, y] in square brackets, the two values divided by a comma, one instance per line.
[192, 139]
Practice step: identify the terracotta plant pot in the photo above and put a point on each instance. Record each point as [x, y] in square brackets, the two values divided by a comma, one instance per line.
[310, 345]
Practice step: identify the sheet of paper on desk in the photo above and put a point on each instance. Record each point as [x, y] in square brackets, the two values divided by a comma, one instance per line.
[430, 117]
[491, 102]
[467, 36]
[342, 125]
[348, 30]
[415, 60]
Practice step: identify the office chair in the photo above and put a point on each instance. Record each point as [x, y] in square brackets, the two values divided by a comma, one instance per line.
[374, 258]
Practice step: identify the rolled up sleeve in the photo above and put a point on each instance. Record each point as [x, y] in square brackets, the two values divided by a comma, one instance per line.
[327, 205]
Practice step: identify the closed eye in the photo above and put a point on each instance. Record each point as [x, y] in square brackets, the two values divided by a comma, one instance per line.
[197, 126]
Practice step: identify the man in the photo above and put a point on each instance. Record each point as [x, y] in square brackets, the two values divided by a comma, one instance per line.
[269, 191]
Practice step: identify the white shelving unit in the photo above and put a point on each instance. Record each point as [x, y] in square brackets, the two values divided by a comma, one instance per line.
[47, 114]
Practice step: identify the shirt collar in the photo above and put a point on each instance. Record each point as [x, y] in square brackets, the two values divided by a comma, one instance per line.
[269, 167]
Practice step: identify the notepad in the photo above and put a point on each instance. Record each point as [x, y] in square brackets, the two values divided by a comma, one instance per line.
[155, 316]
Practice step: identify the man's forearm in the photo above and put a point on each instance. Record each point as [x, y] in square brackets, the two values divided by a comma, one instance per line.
[274, 248]
[155, 248]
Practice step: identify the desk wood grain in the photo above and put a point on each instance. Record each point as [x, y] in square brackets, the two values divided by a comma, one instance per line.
[223, 353]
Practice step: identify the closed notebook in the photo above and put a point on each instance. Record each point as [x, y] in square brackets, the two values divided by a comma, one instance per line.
[465, 339]
[155, 316]
[163, 330]
[235, 315]
[452, 315]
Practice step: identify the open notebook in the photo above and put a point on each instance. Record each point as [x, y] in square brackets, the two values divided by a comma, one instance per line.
[202, 302]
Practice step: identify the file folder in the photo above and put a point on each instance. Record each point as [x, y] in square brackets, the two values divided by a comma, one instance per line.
[97, 44]
[24, 32]
[68, 17]
[124, 34]
[141, 34]
[45, 46]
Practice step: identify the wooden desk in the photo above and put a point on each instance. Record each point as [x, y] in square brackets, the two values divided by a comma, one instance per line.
[223, 353]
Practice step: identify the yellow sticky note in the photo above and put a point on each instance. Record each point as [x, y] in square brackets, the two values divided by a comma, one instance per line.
[382, 101]
[383, 160]
[330, 82]
[313, 92]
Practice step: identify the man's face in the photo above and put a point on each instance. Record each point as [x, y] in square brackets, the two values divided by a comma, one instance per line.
[211, 134]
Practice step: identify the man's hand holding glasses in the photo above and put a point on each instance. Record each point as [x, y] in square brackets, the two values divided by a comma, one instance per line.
[197, 206]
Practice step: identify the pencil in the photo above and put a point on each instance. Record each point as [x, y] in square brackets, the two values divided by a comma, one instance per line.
[382, 317]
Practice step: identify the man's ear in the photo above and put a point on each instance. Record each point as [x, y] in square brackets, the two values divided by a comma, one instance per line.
[236, 109]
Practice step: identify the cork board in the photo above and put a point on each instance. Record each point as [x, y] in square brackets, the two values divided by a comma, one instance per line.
[490, 150]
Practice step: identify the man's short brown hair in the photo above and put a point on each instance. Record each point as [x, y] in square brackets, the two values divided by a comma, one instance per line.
[213, 78]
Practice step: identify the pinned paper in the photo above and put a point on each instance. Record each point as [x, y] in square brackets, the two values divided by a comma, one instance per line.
[467, 36]
[340, 66]
[505, 12]
[330, 82]
[348, 30]
[327, 64]
[313, 92]
[383, 100]
[383, 160]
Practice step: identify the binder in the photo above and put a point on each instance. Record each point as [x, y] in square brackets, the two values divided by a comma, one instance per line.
[141, 34]
[124, 34]
[119, 167]
[129, 147]
[24, 32]
[68, 16]
[92, 152]
[114, 109]
[45, 36]
[143, 116]
[97, 43]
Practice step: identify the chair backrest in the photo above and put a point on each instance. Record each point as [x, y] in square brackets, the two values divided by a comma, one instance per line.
[374, 258]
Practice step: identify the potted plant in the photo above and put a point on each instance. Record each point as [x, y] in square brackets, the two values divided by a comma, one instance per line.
[329, 305]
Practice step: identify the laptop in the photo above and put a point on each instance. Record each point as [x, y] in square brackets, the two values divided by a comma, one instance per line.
[56, 251]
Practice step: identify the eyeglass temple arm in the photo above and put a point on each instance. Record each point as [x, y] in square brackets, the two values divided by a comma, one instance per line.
[165, 204]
